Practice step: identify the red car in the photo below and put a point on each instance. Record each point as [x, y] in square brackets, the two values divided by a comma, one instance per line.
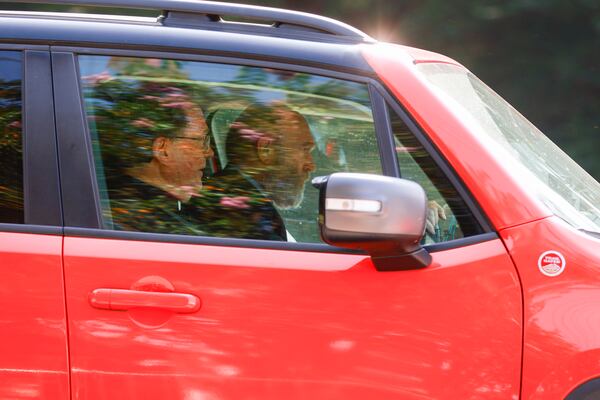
[237, 202]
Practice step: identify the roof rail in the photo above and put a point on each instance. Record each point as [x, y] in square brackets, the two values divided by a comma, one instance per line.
[211, 13]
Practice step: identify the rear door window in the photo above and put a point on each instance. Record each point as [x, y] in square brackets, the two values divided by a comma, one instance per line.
[11, 146]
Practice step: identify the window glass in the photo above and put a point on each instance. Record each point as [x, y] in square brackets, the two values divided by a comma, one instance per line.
[220, 150]
[11, 148]
[448, 217]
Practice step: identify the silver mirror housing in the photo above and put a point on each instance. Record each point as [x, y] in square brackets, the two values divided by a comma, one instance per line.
[384, 216]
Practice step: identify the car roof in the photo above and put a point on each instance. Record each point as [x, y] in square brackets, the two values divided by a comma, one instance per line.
[180, 31]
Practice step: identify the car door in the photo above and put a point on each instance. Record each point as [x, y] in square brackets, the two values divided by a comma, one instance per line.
[212, 308]
[33, 338]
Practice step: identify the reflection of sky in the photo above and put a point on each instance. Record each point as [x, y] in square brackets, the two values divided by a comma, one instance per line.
[269, 97]
[311, 93]
[198, 71]
[203, 71]
[93, 65]
[11, 65]
[307, 93]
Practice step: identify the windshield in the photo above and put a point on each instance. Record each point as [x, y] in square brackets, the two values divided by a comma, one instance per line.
[562, 185]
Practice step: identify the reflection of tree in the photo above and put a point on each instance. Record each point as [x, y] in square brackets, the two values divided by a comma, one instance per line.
[11, 182]
[343, 90]
[301, 84]
[147, 67]
[252, 76]
[127, 115]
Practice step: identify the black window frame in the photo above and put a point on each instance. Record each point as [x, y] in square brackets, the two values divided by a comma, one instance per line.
[78, 177]
[41, 194]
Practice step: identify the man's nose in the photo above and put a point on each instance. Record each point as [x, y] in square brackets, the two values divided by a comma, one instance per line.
[209, 152]
[309, 165]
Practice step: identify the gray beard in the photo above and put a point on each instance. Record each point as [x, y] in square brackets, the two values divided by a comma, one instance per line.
[286, 197]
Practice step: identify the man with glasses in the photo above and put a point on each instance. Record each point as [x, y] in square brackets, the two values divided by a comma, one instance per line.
[178, 161]
[156, 195]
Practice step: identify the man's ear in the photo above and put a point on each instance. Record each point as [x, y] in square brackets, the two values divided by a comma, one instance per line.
[265, 150]
[160, 149]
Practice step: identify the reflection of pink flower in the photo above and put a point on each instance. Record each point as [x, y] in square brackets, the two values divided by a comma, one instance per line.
[252, 135]
[249, 134]
[142, 123]
[235, 202]
[15, 124]
[153, 62]
[98, 78]
[178, 104]
[176, 96]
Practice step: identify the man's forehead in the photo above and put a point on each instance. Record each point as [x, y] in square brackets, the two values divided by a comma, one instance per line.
[196, 124]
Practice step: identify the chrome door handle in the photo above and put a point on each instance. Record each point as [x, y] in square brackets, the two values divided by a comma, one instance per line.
[123, 300]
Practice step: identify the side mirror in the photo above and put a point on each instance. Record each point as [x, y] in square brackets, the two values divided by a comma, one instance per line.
[382, 215]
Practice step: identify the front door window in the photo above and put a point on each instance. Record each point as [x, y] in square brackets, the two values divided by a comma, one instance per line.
[220, 150]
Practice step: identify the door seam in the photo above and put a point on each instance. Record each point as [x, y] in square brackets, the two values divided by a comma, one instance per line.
[522, 314]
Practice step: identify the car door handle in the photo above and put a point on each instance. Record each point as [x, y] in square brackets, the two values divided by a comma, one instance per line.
[123, 300]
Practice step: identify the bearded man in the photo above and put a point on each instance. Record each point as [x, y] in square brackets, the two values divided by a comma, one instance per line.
[269, 161]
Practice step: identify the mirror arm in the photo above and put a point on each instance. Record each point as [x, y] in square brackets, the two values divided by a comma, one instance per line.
[403, 262]
[377, 214]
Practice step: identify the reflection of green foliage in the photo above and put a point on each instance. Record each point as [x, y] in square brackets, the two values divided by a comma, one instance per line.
[147, 67]
[251, 75]
[297, 81]
[11, 170]
[342, 90]
[301, 86]
[10, 113]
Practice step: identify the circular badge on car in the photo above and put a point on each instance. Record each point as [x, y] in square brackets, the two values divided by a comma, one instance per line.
[551, 263]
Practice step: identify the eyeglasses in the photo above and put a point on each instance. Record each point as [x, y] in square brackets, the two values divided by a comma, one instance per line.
[204, 140]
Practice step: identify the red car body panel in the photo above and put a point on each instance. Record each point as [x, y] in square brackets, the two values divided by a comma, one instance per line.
[562, 322]
[280, 324]
[33, 336]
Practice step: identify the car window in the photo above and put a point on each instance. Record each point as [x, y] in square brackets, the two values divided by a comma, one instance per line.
[448, 217]
[220, 150]
[11, 148]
